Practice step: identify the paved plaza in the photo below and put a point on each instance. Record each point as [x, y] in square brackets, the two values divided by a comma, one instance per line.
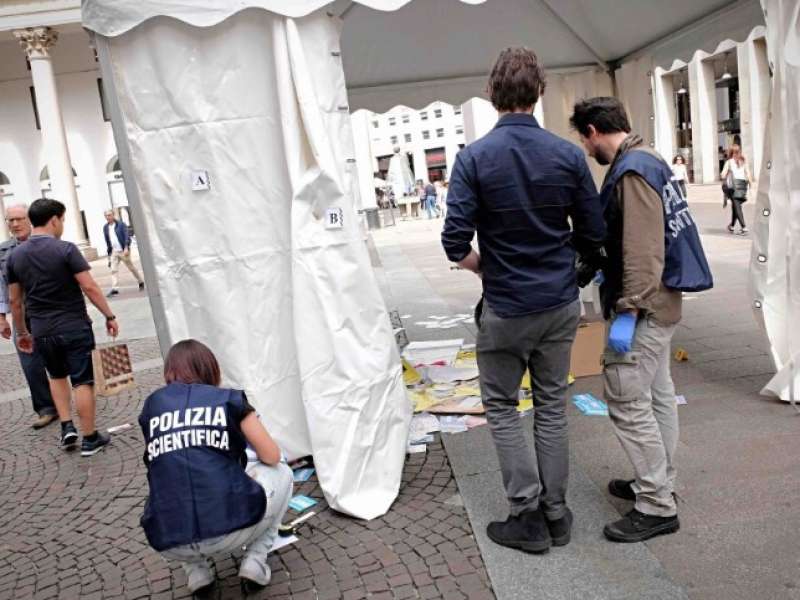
[69, 526]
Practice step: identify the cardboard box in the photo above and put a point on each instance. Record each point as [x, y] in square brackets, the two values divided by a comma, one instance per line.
[588, 348]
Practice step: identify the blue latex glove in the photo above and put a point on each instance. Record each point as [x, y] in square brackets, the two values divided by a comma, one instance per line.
[620, 337]
[599, 278]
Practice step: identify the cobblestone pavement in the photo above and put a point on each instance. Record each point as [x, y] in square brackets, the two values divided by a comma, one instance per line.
[69, 526]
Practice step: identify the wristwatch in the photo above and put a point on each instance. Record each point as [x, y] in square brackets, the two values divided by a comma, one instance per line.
[111, 318]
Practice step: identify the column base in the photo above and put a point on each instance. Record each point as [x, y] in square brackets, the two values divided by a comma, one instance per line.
[89, 253]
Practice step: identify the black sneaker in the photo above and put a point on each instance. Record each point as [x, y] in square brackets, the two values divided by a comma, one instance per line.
[561, 529]
[88, 448]
[141, 286]
[638, 527]
[527, 532]
[69, 437]
[112, 293]
[621, 488]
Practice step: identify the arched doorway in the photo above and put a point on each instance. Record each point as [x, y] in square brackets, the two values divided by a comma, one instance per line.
[47, 191]
[116, 192]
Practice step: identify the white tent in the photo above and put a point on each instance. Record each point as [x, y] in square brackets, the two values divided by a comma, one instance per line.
[257, 95]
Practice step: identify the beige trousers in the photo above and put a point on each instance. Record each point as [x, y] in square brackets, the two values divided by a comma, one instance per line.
[120, 257]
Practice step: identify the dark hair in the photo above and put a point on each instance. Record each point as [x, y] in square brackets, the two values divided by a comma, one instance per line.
[677, 156]
[517, 80]
[42, 210]
[190, 361]
[604, 112]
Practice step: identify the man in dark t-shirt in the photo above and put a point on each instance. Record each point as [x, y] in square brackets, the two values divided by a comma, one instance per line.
[52, 276]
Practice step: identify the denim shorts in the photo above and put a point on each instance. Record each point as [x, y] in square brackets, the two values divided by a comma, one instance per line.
[68, 355]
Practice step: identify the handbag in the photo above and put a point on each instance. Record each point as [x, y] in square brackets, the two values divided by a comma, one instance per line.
[113, 371]
[740, 189]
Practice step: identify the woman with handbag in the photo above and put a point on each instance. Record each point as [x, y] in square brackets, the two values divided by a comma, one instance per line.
[737, 179]
[679, 173]
[205, 498]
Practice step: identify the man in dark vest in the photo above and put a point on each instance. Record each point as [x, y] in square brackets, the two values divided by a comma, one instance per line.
[32, 364]
[531, 199]
[653, 252]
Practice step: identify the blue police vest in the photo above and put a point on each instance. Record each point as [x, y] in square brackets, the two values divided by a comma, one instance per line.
[195, 458]
[685, 265]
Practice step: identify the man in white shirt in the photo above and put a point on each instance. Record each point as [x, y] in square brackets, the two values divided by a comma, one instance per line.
[118, 246]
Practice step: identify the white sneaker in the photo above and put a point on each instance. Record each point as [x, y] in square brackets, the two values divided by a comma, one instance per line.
[256, 571]
[198, 575]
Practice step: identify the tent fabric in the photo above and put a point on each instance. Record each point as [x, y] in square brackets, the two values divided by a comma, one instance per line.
[775, 262]
[437, 53]
[291, 308]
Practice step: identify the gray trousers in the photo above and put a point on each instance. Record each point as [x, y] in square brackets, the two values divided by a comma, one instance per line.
[642, 406]
[277, 482]
[36, 376]
[541, 342]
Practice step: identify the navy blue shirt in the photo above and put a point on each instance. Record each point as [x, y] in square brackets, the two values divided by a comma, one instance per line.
[532, 200]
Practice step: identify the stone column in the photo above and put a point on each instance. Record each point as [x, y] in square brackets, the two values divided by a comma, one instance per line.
[703, 99]
[665, 115]
[754, 90]
[37, 42]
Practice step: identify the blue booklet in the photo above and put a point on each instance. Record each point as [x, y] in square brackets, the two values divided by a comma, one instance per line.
[301, 503]
[589, 405]
[303, 474]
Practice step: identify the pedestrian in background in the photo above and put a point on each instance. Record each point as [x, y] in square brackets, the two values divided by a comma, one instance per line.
[32, 364]
[52, 276]
[679, 173]
[205, 498]
[653, 253]
[531, 198]
[737, 175]
[429, 193]
[118, 247]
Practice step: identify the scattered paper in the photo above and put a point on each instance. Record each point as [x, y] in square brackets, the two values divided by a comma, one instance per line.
[416, 449]
[680, 399]
[451, 374]
[525, 404]
[405, 316]
[118, 428]
[423, 423]
[453, 424]
[473, 421]
[303, 474]
[428, 353]
[410, 375]
[590, 406]
[280, 542]
[301, 503]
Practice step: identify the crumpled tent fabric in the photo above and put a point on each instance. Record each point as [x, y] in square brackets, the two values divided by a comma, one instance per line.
[292, 309]
[775, 261]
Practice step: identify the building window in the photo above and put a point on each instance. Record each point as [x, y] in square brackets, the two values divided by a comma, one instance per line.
[392, 121]
[375, 124]
[457, 110]
[423, 115]
[459, 130]
[35, 108]
[437, 113]
[393, 139]
[408, 138]
[426, 135]
[440, 133]
[103, 105]
[406, 119]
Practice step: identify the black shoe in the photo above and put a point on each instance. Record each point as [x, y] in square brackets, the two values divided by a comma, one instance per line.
[112, 293]
[141, 286]
[561, 529]
[69, 437]
[638, 527]
[88, 448]
[621, 488]
[527, 532]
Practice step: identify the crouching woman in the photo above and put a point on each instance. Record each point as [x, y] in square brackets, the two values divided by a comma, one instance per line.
[205, 499]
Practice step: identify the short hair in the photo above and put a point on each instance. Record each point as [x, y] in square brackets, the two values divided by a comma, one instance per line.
[43, 209]
[677, 156]
[517, 80]
[190, 361]
[604, 112]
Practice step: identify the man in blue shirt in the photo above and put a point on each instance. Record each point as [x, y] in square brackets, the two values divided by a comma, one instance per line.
[531, 198]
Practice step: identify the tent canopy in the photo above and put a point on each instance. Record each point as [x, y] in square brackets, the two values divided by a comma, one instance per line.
[435, 51]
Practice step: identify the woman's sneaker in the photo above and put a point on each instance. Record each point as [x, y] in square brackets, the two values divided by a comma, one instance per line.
[69, 436]
[255, 571]
[743, 231]
[93, 446]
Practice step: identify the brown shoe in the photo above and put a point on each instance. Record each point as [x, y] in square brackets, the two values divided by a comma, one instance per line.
[43, 421]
